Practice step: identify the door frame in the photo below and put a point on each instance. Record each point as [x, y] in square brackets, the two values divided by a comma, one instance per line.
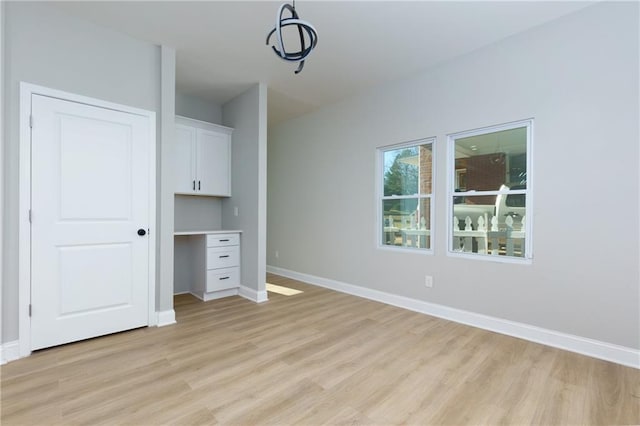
[27, 90]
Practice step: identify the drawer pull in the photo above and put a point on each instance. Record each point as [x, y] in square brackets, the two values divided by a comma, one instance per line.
[224, 278]
[222, 257]
[224, 241]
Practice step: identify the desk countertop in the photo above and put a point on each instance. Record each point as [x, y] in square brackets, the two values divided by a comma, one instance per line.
[201, 232]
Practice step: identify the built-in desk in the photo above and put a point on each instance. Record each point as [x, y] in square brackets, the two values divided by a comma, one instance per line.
[213, 262]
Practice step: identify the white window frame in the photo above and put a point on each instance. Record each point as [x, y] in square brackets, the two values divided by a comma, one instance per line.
[380, 197]
[451, 159]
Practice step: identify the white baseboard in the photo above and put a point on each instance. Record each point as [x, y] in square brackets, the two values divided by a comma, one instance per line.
[242, 291]
[205, 297]
[253, 295]
[166, 318]
[9, 351]
[582, 345]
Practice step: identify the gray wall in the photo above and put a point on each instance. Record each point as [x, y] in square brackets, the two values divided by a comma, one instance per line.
[184, 275]
[195, 212]
[192, 213]
[247, 114]
[578, 78]
[47, 47]
[198, 108]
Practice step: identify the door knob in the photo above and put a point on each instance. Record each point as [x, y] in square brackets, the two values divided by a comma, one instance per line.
[142, 232]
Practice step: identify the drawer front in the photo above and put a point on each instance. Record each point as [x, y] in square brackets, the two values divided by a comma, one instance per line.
[222, 240]
[222, 279]
[223, 257]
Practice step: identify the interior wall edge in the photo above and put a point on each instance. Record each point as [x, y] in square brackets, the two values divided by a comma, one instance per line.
[2, 168]
[165, 318]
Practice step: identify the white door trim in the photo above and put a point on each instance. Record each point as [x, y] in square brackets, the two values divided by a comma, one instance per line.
[24, 229]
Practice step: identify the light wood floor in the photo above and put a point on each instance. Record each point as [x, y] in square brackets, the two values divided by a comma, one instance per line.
[319, 357]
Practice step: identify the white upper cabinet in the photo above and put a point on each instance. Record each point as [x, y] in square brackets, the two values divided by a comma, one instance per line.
[213, 152]
[185, 159]
[202, 158]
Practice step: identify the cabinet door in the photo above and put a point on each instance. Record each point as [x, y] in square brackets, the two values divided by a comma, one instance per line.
[213, 157]
[185, 161]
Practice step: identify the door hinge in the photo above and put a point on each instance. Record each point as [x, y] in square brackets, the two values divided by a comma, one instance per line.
[29, 215]
[29, 309]
[31, 121]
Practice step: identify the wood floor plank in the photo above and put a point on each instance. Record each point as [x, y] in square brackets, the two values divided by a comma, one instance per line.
[317, 357]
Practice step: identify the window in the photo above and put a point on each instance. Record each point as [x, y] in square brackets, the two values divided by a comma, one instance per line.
[489, 192]
[405, 176]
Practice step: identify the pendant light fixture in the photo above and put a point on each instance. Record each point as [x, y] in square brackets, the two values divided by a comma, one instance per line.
[303, 28]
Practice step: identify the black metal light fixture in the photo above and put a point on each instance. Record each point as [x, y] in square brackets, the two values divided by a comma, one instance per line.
[303, 28]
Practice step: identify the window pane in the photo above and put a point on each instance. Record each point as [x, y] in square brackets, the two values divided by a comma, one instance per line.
[408, 171]
[486, 162]
[407, 222]
[494, 228]
[474, 207]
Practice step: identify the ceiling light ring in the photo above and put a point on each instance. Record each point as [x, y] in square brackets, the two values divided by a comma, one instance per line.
[303, 26]
[301, 54]
[279, 21]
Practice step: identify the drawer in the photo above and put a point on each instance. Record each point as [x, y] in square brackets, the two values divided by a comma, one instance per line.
[222, 279]
[223, 257]
[222, 240]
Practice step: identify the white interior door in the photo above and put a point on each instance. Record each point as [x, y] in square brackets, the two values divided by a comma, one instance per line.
[90, 197]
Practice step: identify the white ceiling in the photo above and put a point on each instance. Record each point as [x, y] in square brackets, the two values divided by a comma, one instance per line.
[221, 45]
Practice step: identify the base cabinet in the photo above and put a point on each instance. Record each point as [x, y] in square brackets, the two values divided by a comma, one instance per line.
[217, 265]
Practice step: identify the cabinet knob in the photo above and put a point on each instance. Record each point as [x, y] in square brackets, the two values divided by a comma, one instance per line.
[142, 232]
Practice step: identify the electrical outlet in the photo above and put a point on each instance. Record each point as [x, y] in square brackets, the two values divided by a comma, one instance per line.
[277, 254]
[235, 211]
[428, 281]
